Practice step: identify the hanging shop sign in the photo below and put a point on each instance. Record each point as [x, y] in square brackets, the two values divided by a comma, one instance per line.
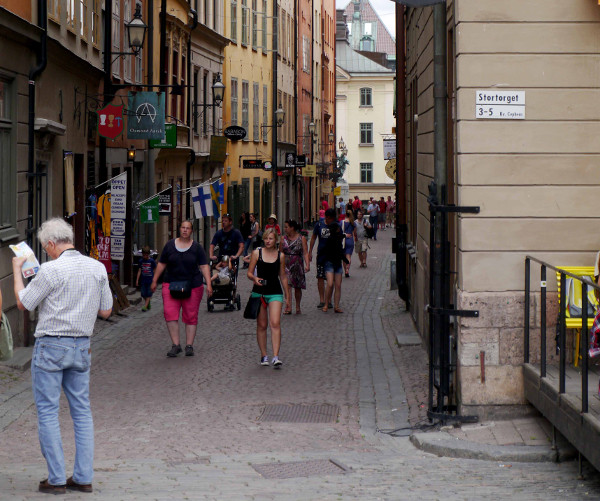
[110, 121]
[164, 202]
[252, 163]
[290, 160]
[309, 170]
[267, 165]
[235, 133]
[146, 115]
[218, 149]
[301, 161]
[149, 210]
[389, 149]
[390, 169]
[170, 139]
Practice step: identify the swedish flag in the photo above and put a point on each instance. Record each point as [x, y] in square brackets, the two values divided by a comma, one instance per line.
[214, 194]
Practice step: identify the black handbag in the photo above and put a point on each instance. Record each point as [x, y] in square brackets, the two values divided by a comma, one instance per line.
[252, 308]
[181, 289]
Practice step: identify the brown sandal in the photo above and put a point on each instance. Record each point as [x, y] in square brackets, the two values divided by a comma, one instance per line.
[337, 309]
[287, 312]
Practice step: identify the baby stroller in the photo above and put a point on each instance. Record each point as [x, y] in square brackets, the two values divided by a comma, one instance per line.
[225, 286]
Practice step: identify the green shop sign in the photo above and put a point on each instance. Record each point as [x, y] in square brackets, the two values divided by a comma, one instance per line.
[170, 139]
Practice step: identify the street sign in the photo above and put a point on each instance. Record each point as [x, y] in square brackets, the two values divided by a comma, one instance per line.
[500, 104]
[234, 133]
[252, 163]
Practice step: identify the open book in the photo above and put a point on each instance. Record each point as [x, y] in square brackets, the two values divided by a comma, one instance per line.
[31, 266]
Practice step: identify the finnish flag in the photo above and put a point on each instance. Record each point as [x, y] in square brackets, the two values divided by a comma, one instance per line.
[203, 202]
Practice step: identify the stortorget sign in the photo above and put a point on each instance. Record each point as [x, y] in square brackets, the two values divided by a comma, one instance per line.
[146, 115]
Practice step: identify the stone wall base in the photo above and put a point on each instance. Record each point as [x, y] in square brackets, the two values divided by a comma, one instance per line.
[499, 412]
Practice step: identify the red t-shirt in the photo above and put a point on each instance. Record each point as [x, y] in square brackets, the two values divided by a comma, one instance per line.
[382, 207]
[356, 204]
[276, 226]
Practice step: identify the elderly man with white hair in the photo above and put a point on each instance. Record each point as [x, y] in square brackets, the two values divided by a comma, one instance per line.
[70, 291]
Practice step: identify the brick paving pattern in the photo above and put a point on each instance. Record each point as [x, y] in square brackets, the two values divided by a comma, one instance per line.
[189, 428]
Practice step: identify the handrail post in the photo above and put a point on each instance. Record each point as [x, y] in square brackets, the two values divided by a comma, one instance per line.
[543, 322]
[583, 347]
[562, 333]
[526, 319]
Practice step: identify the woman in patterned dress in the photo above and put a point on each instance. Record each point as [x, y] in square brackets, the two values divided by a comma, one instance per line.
[296, 263]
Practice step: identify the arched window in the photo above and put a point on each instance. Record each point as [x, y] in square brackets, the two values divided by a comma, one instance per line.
[366, 97]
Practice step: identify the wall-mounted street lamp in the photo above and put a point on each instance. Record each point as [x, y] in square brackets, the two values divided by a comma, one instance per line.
[131, 154]
[279, 119]
[136, 34]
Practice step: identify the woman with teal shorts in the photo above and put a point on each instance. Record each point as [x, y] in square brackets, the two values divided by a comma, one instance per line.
[268, 280]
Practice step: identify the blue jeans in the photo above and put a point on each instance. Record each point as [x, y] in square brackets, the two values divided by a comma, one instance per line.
[64, 362]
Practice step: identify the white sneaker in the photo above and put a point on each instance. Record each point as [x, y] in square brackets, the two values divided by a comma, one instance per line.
[276, 363]
[264, 360]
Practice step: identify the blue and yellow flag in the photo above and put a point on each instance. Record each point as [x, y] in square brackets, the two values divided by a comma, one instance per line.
[214, 193]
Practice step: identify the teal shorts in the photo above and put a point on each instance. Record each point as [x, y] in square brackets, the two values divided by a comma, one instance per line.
[269, 297]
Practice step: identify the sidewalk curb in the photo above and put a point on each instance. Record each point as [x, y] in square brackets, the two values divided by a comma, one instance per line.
[444, 444]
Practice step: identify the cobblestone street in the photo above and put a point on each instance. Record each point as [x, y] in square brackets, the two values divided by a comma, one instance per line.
[193, 427]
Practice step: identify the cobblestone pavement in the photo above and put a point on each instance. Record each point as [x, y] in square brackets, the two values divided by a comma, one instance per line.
[190, 428]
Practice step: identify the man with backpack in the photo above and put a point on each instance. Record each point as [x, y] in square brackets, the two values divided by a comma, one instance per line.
[228, 239]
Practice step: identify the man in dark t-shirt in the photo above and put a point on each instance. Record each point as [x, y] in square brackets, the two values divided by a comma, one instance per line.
[229, 240]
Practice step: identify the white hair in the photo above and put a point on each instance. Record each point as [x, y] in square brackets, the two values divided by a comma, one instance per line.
[55, 230]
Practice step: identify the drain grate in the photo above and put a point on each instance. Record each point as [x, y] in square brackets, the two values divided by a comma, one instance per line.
[297, 469]
[300, 413]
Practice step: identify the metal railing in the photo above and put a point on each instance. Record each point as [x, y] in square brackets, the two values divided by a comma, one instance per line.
[584, 341]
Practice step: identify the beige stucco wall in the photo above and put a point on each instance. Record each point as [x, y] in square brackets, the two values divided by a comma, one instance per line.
[535, 180]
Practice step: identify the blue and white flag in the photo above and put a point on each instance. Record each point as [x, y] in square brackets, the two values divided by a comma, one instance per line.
[203, 201]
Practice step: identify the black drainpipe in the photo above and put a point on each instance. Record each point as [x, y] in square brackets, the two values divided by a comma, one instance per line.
[36, 71]
[192, 158]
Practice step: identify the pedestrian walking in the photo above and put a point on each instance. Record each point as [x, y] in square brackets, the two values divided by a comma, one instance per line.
[185, 266]
[229, 241]
[349, 229]
[382, 213]
[356, 205]
[246, 230]
[373, 211]
[341, 209]
[361, 241]
[333, 258]
[272, 223]
[146, 267]
[295, 249]
[390, 212]
[70, 291]
[271, 286]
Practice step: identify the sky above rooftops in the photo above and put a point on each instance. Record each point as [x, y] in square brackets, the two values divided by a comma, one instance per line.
[384, 8]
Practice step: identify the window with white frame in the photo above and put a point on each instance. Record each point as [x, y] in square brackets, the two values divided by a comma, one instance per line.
[254, 24]
[8, 200]
[95, 22]
[305, 54]
[234, 101]
[265, 112]
[83, 24]
[264, 25]
[233, 26]
[255, 111]
[366, 96]
[116, 33]
[245, 22]
[54, 10]
[366, 172]
[246, 106]
[126, 59]
[366, 133]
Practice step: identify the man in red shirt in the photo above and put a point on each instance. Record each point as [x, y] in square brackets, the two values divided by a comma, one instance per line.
[382, 211]
[357, 204]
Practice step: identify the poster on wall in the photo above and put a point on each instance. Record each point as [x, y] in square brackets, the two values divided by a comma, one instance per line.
[118, 213]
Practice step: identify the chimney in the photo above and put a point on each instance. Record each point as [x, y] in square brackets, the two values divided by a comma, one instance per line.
[341, 28]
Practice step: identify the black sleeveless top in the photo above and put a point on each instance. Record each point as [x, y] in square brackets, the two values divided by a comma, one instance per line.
[270, 273]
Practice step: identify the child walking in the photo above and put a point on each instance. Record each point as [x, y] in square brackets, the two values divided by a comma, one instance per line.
[146, 267]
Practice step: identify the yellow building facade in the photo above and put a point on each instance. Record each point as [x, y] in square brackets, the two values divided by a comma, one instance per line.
[248, 102]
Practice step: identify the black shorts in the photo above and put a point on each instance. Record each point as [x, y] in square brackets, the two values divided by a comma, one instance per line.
[321, 271]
